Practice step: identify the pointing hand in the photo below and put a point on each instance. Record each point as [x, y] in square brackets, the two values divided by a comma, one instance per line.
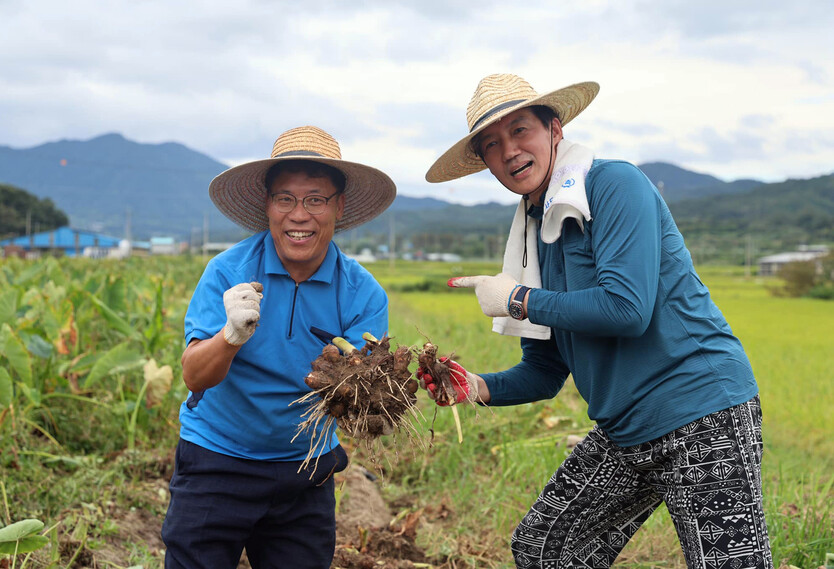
[493, 292]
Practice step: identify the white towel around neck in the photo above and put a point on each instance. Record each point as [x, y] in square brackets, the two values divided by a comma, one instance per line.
[565, 198]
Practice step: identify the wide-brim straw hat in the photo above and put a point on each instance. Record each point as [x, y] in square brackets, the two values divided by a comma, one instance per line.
[240, 192]
[497, 96]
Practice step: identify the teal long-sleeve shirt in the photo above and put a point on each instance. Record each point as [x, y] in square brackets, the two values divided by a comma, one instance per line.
[631, 320]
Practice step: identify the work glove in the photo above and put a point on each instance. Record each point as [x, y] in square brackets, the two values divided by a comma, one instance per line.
[493, 292]
[464, 383]
[243, 310]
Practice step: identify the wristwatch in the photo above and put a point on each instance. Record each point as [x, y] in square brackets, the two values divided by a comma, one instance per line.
[516, 306]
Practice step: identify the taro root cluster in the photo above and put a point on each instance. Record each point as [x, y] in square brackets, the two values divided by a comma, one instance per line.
[440, 372]
[367, 392]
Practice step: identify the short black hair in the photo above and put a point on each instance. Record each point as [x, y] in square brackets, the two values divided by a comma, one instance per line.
[544, 113]
[309, 167]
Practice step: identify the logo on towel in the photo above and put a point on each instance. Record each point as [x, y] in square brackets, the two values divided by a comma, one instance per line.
[568, 183]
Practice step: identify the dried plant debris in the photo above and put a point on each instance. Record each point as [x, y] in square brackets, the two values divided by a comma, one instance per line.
[368, 393]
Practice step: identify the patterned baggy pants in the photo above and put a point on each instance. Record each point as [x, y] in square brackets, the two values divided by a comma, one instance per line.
[707, 472]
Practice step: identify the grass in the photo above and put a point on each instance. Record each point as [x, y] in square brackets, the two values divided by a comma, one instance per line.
[75, 472]
[509, 453]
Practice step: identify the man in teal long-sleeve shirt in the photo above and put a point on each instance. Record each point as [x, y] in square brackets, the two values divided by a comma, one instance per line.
[601, 286]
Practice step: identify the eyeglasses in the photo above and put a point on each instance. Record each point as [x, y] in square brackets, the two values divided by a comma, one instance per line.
[315, 205]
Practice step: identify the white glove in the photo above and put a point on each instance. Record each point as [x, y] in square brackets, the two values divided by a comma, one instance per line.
[243, 310]
[493, 292]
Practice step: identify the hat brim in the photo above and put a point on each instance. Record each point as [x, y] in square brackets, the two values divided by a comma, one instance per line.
[240, 192]
[460, 161]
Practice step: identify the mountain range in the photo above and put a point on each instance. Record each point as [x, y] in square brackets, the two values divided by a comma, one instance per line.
[109, 182]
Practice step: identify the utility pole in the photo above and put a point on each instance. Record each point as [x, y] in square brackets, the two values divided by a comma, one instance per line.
[499, 239]
[29, 230]
[748, 255]
[392, 240]
[128, 236]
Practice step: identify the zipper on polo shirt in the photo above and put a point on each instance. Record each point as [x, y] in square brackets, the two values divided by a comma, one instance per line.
[292, 310]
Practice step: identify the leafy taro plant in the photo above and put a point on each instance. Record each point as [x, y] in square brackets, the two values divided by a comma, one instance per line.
[21, 537]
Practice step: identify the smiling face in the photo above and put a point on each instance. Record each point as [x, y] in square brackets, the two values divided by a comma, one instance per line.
[520, 152]
[301, 238]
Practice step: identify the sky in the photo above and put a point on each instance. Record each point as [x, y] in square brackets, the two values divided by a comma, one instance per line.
[736, 89]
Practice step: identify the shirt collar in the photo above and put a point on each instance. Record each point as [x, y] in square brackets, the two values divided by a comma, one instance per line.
[274, 266]
[535, 211]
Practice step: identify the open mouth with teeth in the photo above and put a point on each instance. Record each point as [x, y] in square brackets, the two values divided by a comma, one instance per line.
[299, 235]
[522, 169]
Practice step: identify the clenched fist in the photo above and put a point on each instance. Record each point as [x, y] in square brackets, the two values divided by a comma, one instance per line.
[243, 310]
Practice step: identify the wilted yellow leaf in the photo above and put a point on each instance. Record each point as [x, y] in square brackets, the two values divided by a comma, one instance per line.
[158, 380]
[552, 421]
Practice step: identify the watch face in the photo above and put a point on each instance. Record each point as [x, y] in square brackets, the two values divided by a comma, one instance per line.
[516, 310]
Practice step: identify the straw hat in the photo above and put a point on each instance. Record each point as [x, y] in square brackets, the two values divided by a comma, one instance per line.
[497, 96]
[240, 192]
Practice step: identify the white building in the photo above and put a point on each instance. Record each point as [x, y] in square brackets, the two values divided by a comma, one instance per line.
[164, 246]
[444, 257]
[770, 265]
[365, 256]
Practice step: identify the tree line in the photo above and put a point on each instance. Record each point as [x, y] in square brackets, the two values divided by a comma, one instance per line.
[21, 211]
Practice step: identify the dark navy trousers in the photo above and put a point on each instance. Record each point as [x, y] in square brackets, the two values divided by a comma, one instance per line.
[222, 504]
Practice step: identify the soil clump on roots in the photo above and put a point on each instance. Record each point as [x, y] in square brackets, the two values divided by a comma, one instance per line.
[440, 370]
[368, 393]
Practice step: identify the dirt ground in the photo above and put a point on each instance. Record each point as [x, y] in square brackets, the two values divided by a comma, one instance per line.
[369, 532]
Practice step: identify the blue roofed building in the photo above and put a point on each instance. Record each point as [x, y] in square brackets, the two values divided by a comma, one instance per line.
[65, 241]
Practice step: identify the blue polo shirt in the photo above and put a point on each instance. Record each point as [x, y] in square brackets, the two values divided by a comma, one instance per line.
[631, 320]
[248, 414]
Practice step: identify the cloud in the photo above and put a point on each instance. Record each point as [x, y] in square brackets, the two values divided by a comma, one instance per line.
[738, 89]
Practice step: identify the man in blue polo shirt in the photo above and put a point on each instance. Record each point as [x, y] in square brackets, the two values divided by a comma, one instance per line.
[598, 284]
[259, 316]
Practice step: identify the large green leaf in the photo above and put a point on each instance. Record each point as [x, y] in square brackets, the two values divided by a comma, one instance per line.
[47, 321]
[29, 275]
[16, 353]
[119, 358]
[33, 394]
[24, 545]
[155, 327]
[114, 319]
[56, 274]
[54, 293]
[21, 529]
[37, 345]
[86, 362]
[6, 390]
[8, 306]
[115, 294]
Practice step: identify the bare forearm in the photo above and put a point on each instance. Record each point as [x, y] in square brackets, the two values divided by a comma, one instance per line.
[205, 363]
[483, 390]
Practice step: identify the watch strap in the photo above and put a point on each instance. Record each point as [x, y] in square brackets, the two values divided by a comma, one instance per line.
[520, 291]
[515, 305]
